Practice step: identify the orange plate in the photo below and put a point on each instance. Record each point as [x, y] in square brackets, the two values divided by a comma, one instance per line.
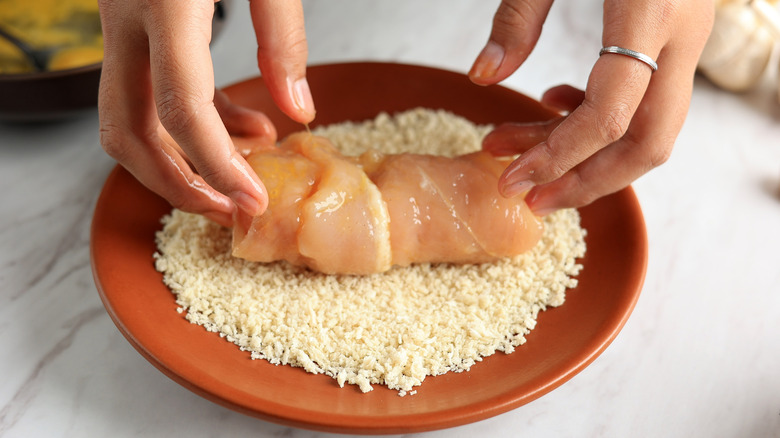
[565, 341]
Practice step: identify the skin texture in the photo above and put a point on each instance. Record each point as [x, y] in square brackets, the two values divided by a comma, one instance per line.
[161, 118]
[623, 124]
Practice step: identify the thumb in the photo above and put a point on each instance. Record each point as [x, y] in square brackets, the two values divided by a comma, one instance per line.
[517, 25]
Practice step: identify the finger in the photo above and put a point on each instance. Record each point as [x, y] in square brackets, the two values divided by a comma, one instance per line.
[242, 121]
[243, 145]
[125, 101]
[250, 130]
[281, 55]
[183, 86]
[615, 89]
[608, 171]
[517, 25]
[563, 98]
[647, 144]
[516, 138]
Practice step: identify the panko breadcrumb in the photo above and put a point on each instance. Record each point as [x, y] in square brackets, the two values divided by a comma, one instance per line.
[393, 328]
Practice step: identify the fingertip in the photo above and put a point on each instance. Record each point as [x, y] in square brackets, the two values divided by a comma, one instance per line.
[242, 221]
[485, 69]
[246, 122]
[243, 121]
[568, 191]
[263, 127]
[515, 180]
[533, 198]
[563, 98]
[517, 138]
[289, 88]
[517, 25]
[249, 204]
[281, 55]
[512, 189]
[494, 142]
[252, 198]
[304, 102]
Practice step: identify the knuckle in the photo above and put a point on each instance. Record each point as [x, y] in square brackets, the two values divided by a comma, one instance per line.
[512, 16]
[213, 175]
[613, 124]
[113, 143]
[555, 170]
[516, 13]
[655, 152]
[670, 10]
[584, 193]
[174, 112]
[555, 165]
[509, 14]
[178, 108]
[290, 47]
[660, 155]
[297, 45]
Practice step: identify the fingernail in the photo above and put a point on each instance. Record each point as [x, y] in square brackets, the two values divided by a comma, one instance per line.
[516, 180]
[246, 202]
[302, 97]
[510, 190]
[488, 61]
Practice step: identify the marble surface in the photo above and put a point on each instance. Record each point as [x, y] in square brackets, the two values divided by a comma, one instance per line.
[700, 355]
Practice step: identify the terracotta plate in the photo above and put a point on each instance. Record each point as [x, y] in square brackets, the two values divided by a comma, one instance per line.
[565, 341]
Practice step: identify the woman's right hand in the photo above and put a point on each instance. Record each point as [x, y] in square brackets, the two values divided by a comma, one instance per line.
[160, 116]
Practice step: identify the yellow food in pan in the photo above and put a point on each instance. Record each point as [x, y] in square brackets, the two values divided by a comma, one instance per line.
[69, 30]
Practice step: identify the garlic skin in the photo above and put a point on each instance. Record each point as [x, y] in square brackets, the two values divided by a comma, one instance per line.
[739, 47]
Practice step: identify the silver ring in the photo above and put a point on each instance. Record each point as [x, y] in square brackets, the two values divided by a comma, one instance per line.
[633, 54]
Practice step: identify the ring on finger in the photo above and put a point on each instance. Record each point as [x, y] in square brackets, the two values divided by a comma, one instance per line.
[630, 53]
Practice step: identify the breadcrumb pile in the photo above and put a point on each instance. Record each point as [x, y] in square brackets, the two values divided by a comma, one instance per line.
[393, 328]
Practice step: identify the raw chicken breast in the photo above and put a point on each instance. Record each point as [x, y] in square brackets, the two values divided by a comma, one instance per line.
[323, 211]
[361, 215]
[449, 209]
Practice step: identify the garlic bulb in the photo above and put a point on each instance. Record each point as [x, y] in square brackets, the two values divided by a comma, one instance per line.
[740, 45]
[769, 13]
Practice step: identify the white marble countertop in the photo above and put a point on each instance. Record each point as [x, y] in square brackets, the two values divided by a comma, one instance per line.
[700, 356]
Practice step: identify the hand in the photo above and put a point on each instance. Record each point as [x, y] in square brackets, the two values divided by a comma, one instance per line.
[158, 79]
[623, 124]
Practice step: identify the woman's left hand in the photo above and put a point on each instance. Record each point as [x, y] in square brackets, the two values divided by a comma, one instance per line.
[623, 124]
